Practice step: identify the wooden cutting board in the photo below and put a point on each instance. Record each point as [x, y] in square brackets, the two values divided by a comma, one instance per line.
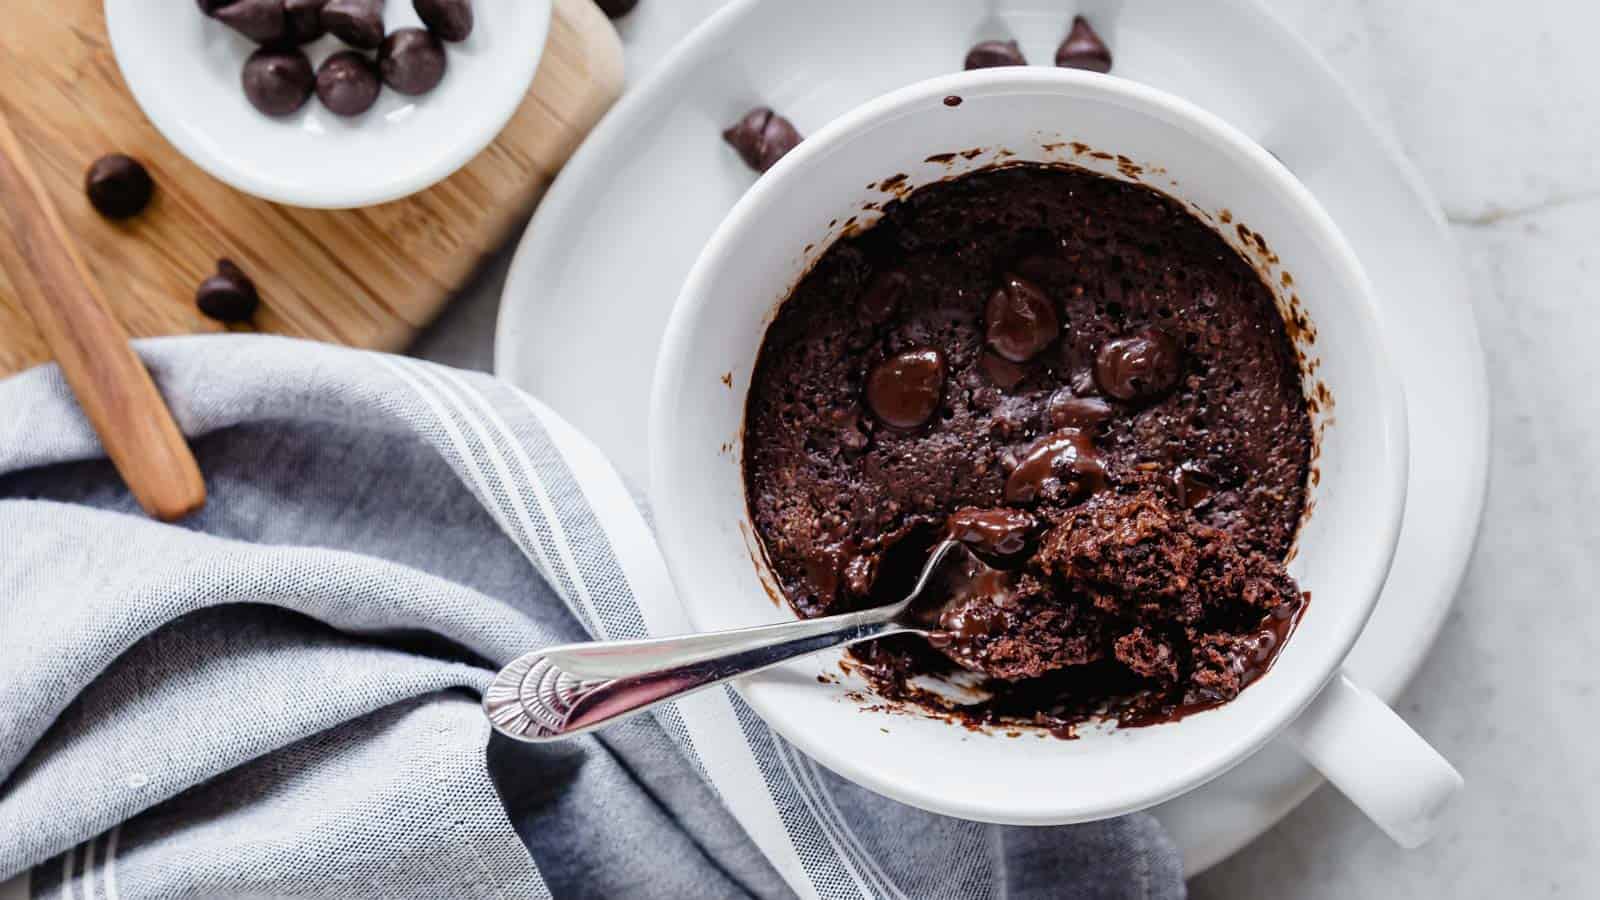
[367, 278]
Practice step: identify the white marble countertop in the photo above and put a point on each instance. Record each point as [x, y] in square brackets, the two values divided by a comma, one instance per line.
[1499, 106]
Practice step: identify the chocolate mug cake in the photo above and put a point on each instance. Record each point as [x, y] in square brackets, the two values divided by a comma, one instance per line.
[1086, 385]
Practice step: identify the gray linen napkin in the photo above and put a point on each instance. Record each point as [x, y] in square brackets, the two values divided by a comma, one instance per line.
[278, 697]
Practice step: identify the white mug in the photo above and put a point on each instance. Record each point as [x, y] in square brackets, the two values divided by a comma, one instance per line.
[1342, 554]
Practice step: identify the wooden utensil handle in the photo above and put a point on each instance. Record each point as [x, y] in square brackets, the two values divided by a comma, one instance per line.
[108, 379]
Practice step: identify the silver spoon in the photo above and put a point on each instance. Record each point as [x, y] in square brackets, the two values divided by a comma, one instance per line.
[552, 694]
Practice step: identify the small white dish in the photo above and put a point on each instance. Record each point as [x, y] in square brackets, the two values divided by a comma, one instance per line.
[956, 124]
[566, 295]
[184, 70]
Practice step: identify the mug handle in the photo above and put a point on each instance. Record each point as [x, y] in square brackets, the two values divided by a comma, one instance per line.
[1373, 757]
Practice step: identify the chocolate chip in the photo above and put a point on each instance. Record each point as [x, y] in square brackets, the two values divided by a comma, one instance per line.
[412, 61]
[1139, 366]
[904, 390]
[229, 295]
[347, 83]
[358, 23]
[990, 54]
[1004, 373]
[882, 296]
[118, 186]
[278, 81]
[261, 21]
[1083, 49]
[824, 567]
[451, 20]
[992, 532]
[303, 19]
[1065, 410]
[1063, 467]
[1194, 483]
[616, 9]
[762, 138]
[1020, 321]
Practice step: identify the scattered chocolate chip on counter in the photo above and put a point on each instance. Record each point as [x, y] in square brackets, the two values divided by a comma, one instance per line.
[1083, 49]
[347, 83]
[358, 23]
[451, 20]
[278, 81]
[616, 9]
[990, 54]
[118, 186]
[412, 61]
[762, 138]
[229, 295]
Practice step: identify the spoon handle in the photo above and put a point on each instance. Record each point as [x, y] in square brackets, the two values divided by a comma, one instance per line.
[109, 381]
[564, 691]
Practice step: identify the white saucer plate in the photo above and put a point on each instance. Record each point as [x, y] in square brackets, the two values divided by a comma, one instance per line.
[184, 71]
[596, 275]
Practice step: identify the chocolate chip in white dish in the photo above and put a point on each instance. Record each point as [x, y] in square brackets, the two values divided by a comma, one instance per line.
[118, 186]
[412, 61]
[229, 295]
[992, 54]
[1083, 49]
[347, 83]
[303, 20]
[278, 81]
[269, 21]
[616, 9]
[762, 138]
[451, 20]
[358, 23]
[262, 21]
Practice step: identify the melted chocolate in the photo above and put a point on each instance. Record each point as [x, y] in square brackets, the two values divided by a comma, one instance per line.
[903, 390]
[882, 297]
[1067, 410]
[1063, 466]
[1020, 321]
[993, 533]
[1139, 366]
